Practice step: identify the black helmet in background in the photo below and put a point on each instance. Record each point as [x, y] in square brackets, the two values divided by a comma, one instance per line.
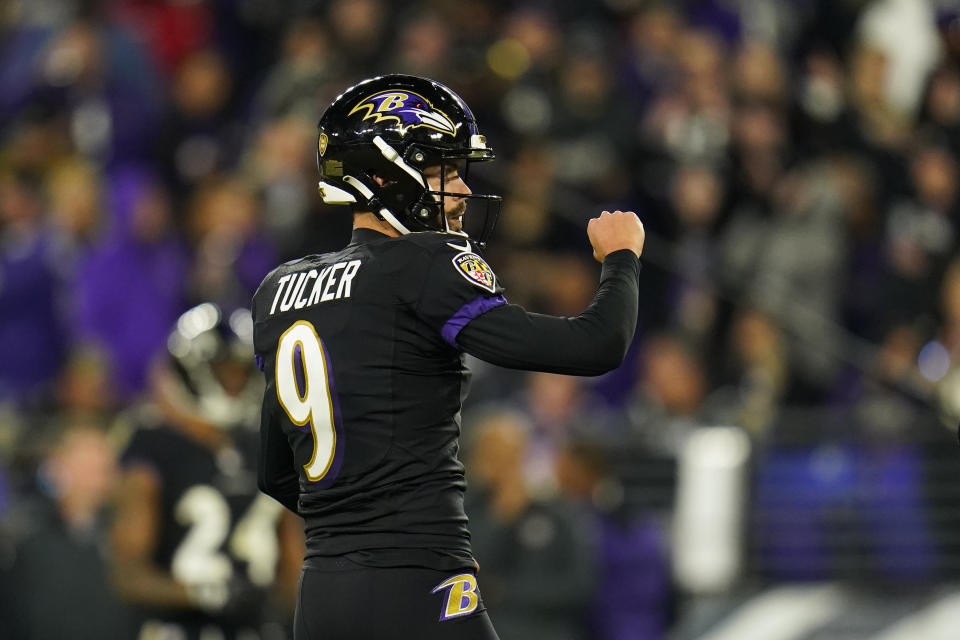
[210, 375]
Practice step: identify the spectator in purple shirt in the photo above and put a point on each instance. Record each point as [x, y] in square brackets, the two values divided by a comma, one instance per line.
[31, 334]
[131, 289]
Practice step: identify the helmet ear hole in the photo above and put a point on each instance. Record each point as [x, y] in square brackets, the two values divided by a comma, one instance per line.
[427, 213]
[419, 157]
[398, 196]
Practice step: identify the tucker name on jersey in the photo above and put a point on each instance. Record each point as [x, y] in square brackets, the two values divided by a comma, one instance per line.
[330, 283]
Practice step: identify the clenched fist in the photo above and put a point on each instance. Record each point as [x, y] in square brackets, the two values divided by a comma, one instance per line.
[614, 231]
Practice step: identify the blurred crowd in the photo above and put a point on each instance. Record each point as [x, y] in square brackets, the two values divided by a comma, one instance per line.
[795, 164]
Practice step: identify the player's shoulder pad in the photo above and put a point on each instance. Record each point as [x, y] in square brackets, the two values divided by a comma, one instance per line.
[462, 256]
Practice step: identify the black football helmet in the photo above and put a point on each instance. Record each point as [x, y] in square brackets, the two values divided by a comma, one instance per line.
[211, 374]
[392, 127]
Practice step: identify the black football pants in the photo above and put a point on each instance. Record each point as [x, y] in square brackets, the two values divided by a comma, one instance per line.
[354, 602]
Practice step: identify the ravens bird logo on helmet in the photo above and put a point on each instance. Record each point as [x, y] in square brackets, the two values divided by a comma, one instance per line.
[406, 108]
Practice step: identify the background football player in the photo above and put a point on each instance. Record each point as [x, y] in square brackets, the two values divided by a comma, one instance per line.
[196, 547]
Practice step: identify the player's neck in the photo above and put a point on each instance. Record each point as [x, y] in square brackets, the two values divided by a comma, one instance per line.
[366, 220]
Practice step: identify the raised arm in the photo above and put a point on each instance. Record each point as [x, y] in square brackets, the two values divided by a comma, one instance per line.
[591, 343]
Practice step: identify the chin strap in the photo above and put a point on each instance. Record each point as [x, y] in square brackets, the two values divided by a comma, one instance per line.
[383, 213]
[393, 222]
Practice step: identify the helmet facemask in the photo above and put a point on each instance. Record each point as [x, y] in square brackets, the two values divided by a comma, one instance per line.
[424, 206]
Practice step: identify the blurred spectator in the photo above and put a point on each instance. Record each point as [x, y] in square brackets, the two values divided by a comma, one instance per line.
[5, 497]
[697, 195]
[85, 387]
[863, 301]
[538, 35]
[525, 58]
[904, 32]
[131, 288]
[883, 127]
[83, 393]
[888, 405]
[587, 125]
[799, 274]
[32, 333]
[756, 375]
[280, 166]
[758, 74]
[651, 63]
[823, 119]
[35, 141]
[537, 570]
[94, 76]
[423, 46]
[76, 203]
[59, 556]
[921, 232]
[529, 198]
[939, 361]
[231, 254]
[633, 595]
[549, 283]
[360, 30]
[941, 106]
[200, 135]
[171, 30]
[691, 122]
[669, 401]
[299, 83]
[557, 408]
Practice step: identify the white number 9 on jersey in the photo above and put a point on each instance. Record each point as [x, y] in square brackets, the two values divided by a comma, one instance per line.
[307, 398]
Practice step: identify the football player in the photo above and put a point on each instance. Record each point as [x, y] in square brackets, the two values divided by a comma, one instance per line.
[363, 355]
[195, 545]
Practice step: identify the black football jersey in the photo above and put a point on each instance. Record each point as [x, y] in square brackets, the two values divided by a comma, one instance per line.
[364, 388]
[215, 528]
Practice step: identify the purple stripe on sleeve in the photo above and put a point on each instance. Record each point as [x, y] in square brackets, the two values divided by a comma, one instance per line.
[466, 313]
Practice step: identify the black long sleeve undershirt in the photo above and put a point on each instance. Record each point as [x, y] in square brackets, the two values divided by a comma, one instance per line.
[589, 344]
